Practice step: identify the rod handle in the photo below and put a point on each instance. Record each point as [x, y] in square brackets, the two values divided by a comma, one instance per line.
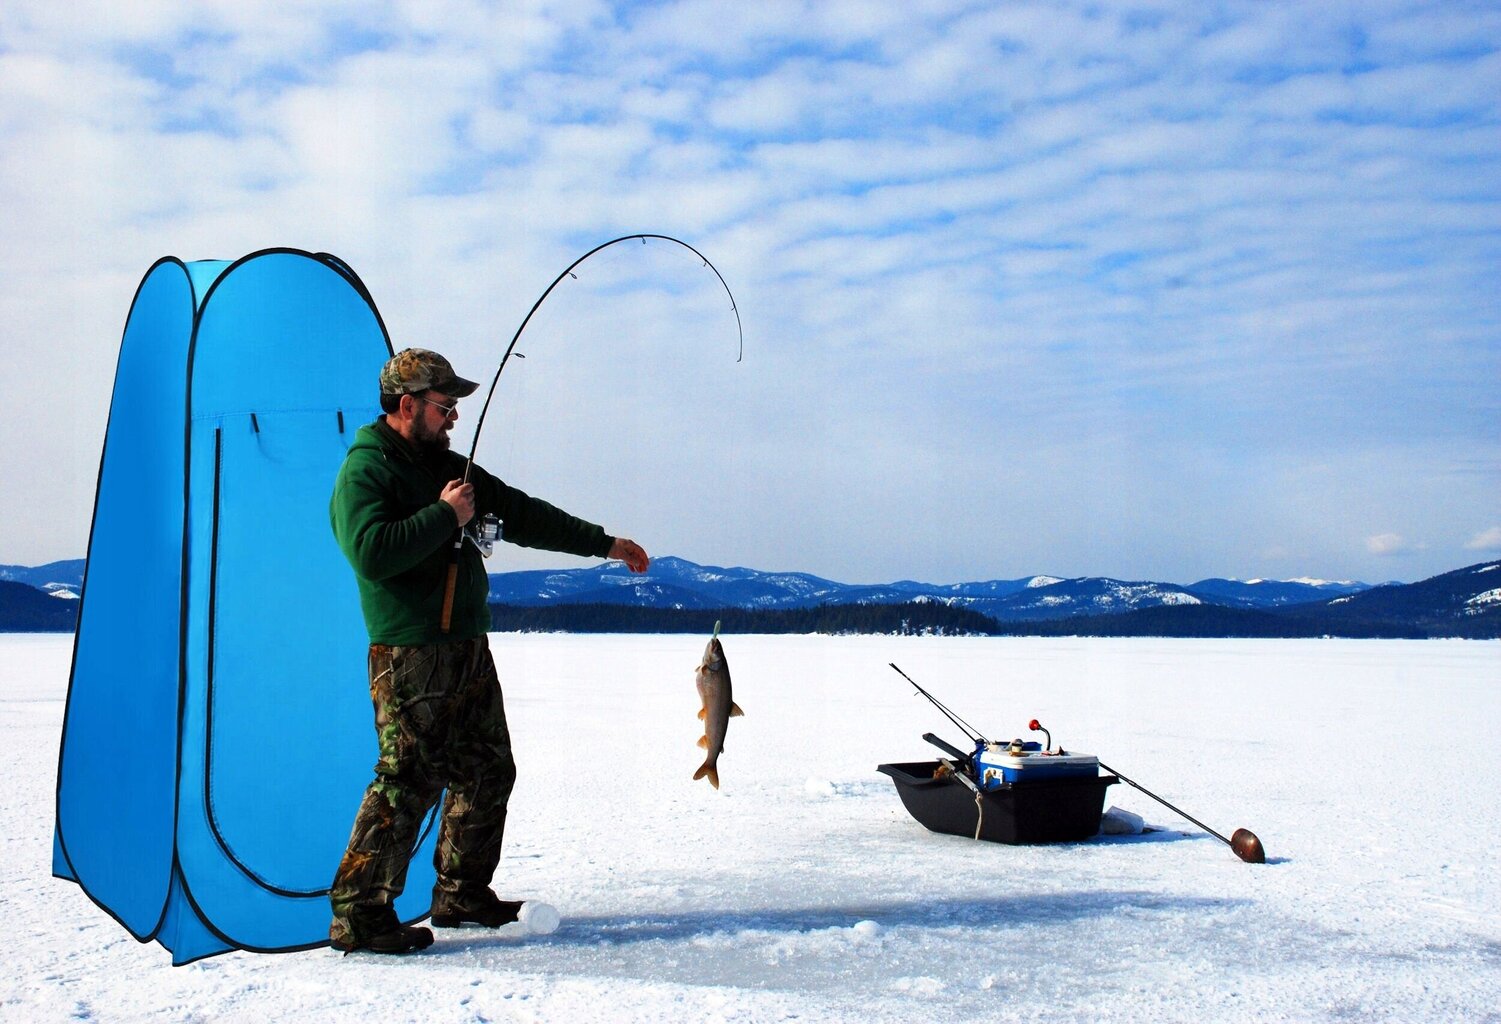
[448, 588]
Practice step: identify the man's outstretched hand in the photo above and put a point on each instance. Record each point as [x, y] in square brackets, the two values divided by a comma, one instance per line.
[629, 552]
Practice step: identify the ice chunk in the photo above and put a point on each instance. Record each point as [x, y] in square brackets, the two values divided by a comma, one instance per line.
[1118, 822]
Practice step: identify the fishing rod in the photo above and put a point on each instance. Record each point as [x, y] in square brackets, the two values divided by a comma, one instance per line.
[1242, 842]
[458, 545]
[974, 734]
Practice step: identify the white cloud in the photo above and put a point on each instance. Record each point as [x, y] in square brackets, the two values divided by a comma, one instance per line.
[1387, 544]
[1485, 540]
[1039, 244]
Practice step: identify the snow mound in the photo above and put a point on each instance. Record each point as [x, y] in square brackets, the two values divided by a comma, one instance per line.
[539, 918]
[818, 789]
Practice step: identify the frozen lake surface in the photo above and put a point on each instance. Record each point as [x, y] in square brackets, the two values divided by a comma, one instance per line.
[803, 891]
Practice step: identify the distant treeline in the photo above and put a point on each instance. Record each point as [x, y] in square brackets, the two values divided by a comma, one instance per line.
[1207, 620]
[25, 609]
[939, 619]
[906, 619]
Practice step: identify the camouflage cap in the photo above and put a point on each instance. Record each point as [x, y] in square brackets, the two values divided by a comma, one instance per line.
[414, 370]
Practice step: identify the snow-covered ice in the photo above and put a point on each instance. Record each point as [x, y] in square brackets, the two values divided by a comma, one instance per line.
[802, 890]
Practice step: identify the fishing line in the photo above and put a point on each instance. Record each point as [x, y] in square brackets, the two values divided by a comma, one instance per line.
[513, 422]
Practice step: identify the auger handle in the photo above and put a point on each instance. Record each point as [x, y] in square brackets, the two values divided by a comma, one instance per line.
[948, 747]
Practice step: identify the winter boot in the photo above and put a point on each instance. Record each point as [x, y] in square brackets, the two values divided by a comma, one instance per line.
[472, 906]
[404, 938]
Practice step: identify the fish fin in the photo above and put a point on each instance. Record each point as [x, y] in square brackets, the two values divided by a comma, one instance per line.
[707, 769]
[703, 741]
[735, 711]
[701, 714]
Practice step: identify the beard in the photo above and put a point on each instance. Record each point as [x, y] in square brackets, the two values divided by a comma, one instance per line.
[432, 440]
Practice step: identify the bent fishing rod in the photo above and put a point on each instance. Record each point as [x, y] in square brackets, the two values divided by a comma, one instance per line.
[458, 545]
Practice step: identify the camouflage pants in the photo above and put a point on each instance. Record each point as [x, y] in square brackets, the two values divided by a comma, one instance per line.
[442, 724]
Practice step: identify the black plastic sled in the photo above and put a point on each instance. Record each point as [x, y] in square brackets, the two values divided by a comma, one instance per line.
[1045, 811]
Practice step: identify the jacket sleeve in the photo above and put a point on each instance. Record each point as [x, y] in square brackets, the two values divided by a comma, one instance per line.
[533, 523]
[377, 539]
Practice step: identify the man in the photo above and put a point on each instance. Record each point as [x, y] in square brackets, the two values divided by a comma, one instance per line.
[397, 504]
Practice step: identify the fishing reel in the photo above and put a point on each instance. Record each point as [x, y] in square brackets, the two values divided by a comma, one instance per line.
[483, 531]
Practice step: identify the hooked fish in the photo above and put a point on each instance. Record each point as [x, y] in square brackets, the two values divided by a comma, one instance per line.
[713, 678]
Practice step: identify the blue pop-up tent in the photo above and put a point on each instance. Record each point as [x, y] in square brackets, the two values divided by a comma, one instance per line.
[218, 736]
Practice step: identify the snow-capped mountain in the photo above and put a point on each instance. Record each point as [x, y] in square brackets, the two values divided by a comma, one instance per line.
[1090, 595]
[670, 583]
[1271, 593]
[1471, 595]
[60, 579]
[1465, 602]
[678, 583]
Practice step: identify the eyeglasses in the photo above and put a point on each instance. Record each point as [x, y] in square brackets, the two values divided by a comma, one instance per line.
[448, 410]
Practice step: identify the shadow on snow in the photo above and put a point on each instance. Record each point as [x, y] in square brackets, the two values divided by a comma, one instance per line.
[1048, 908]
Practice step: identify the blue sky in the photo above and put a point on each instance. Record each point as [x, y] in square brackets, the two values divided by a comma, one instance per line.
[1149, 290]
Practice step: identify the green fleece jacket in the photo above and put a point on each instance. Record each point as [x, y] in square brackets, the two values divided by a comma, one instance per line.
[399, 537]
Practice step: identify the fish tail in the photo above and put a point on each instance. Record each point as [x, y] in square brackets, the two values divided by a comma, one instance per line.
[711, 771]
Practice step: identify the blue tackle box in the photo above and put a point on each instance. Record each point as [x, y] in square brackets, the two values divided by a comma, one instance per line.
[999, 764]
